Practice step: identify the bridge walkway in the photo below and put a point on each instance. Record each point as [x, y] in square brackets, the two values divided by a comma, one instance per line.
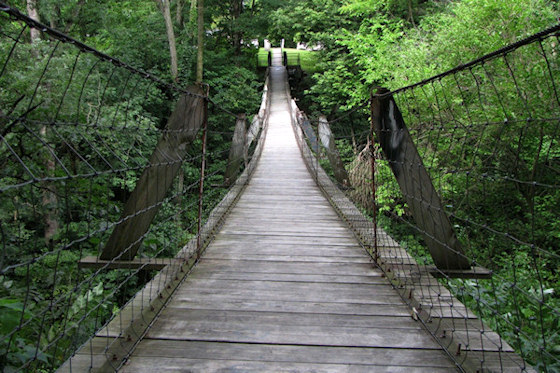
[285, 286]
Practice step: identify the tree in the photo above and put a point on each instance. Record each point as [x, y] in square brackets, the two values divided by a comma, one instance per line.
[49, 199]
[166, 11]
[200, 42]
[179, 12]
[236, 9]
[33, 13]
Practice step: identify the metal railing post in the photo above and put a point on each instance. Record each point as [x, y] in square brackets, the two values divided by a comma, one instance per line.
[373, 186]
[202, 174]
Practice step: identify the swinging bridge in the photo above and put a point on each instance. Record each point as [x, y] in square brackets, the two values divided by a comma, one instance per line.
[290, 271]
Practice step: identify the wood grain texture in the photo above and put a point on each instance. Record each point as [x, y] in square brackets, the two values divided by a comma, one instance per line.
[416, 185]
[328, 141]
[157, 177]
[285, 286]
[237, 151]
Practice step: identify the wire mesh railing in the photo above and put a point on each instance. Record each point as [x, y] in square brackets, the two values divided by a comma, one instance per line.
[108, 194]
[466, 179]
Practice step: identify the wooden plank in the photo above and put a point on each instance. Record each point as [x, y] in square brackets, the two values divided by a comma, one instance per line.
[149, 365]
[317, 308]
[236, 152]
[227, 286]
[84, 363]
[289, 258]
[204, 318]
[298, 189]
[328, 141]
[148, 264]
[338, 233]
[472, 273]
[325, 296]
[287, 215]
[279, 207]
[293, 267]
[286, 249]
[502, 362]
[256, 276]
[315, 200]
[416, 185]
[295, 220]
[290, 218]
[298, 239]
[299, 335]
[287, 353]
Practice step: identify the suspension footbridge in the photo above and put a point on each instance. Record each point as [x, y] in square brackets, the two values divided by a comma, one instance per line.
[289, 270]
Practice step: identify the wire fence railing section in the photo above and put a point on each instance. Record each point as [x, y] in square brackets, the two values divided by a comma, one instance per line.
[466, 179]
[487, 134]
[108, 174]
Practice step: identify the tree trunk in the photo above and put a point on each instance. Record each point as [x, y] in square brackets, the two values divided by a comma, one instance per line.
[165, 9]
[237, 7]
[191, 27]
[33, 13]
[410, 13]
[179, 12]
[49, 199]
[200, 42]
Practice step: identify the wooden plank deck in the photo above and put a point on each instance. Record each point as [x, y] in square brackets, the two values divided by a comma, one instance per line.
[285, 286]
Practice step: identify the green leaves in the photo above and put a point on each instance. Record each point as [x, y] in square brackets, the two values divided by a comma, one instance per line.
[11, 314]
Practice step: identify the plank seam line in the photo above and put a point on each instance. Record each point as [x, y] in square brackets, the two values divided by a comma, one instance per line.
[291, 344]
[291, 313]
[286, 261]
[324, 255]
[308, 244]
[179, 298]
[375, 275]
[299, 312]
[205, 284]
[357, 328]
[314, 363]
[291, 281]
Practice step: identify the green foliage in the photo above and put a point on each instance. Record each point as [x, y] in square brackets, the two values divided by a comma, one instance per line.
[306, 59]
[380, 48]
[262, 57]
[234, 88]
[12, 314]
[310, 21]
[102, 124]
[493, 301]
